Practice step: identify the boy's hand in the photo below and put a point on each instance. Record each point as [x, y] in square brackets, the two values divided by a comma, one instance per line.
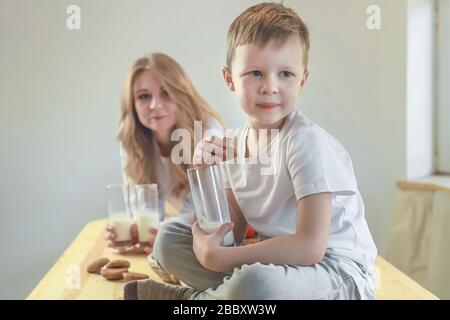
[205, 244]
[213, 150]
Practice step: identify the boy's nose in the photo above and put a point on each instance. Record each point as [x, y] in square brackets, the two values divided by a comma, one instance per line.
[269, 86]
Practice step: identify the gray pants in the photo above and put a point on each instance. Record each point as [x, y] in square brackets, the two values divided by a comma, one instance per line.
[332, 278]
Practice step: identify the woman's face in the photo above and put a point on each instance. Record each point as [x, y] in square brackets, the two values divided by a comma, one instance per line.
[155, 109]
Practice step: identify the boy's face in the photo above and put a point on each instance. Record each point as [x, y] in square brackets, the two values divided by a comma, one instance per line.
[267, 81]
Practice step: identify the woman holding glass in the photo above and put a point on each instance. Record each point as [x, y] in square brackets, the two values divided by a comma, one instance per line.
[157, 98]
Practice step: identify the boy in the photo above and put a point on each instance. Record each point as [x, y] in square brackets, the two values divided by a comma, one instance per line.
[307, 208]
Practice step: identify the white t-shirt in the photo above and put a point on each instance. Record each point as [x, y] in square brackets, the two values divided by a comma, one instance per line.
[303, 160]
[162, 169]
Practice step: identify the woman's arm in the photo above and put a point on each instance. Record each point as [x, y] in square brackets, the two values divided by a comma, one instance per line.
[306, 247]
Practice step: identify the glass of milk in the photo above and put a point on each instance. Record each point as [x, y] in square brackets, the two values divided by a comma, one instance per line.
[210, 200]
[146, 213]
[118, 198]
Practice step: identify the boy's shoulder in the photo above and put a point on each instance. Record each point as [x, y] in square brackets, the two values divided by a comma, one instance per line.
[300, 130]
[298, 126]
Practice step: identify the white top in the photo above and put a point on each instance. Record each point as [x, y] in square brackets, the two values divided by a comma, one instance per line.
[304, 159]
[187, 213]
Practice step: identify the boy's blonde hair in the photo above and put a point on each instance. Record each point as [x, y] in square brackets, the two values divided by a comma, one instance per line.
[264, 22]
[137, 140]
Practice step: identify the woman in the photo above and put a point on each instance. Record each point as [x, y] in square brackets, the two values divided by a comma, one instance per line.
[158, 97]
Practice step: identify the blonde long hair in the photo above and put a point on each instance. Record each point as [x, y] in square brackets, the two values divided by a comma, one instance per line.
[137, 140]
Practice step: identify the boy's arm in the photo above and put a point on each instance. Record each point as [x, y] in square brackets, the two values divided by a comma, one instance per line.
[240, 224]
[306, 247]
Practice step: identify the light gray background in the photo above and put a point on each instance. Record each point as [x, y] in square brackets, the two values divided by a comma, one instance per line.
[60, 96]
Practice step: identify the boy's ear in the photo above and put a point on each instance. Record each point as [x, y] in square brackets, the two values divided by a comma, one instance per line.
[304, 78]
[228, 78]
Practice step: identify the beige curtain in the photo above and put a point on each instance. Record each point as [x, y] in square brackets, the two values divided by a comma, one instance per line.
[420, 238]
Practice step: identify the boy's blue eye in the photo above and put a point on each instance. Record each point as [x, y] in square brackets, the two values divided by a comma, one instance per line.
[286, 74]
[256, 73]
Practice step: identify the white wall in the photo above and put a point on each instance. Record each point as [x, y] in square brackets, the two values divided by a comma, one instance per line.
[59, 105]
[420, 89]
[442, 138]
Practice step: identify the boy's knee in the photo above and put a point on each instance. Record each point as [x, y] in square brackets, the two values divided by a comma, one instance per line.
[163, 246]
[251, 282]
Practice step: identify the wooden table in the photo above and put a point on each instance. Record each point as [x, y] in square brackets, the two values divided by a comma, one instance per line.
[68, 278]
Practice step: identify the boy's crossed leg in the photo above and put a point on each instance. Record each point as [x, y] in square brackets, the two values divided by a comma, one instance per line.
[329, 279]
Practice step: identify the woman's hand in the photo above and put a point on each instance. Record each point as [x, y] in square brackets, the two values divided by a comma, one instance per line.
[135, 246]
[111, 235]
[205, 245]
[146, 247]
[213, 150]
